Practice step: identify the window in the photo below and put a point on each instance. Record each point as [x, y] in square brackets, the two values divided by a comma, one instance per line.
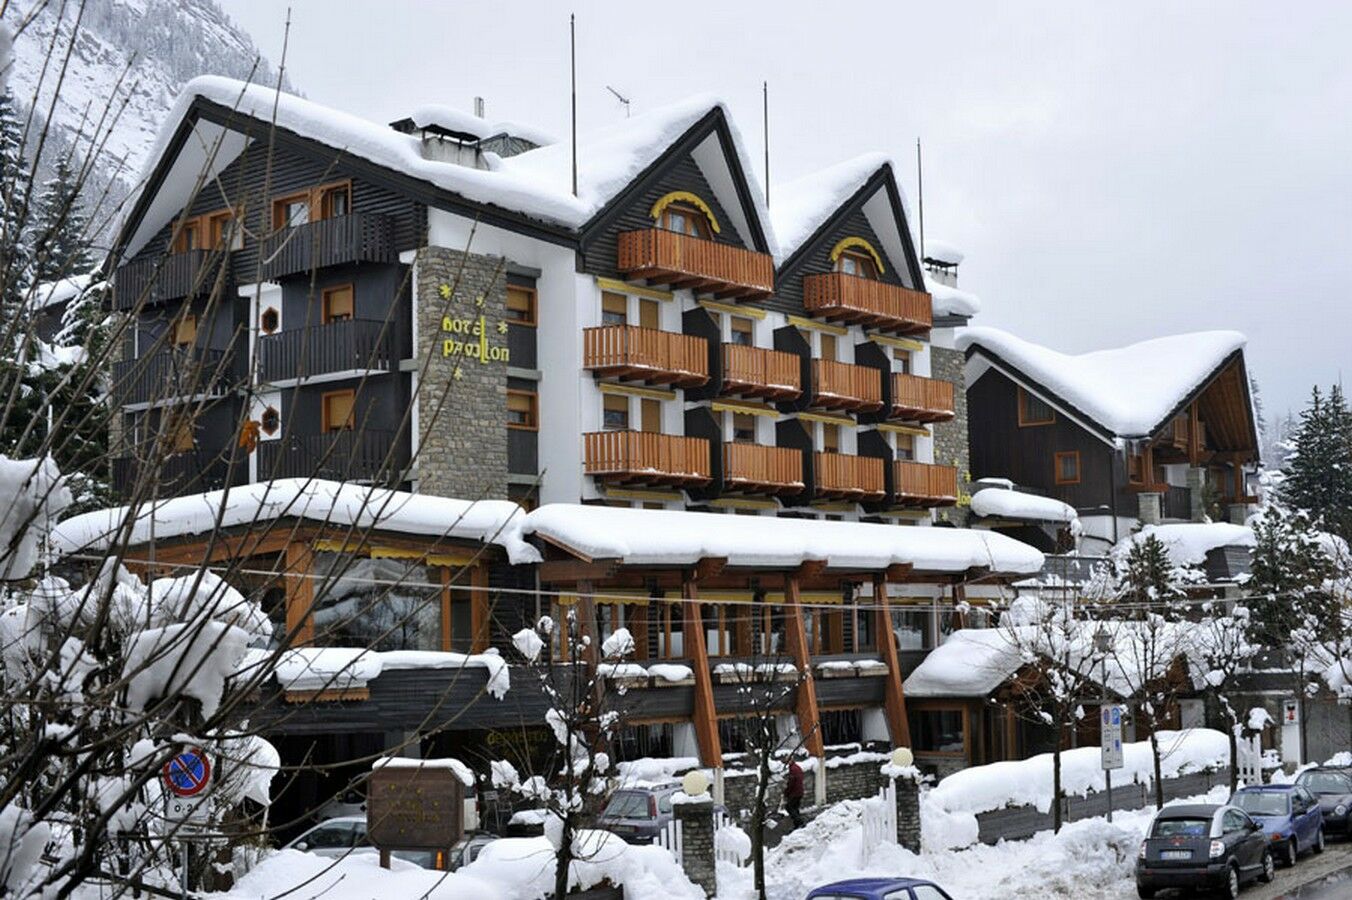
[338, 304]
[523, 410]
[327, 201]
[223, 230]
[614, 309]
[938, 731]
[905, 446]
[743, 428]
[901, 361]
[335, 200]
[683, 218]
[860, 265]
[520, 305]
[189, 236]
[1033, 410]
[927, 892]
[1068, 467]
[649, 314]
[615, 413]
[181, 433]
[1136, 468]
[288, 212]
[338, 410]
[185, 331]
[830, 438]
[743, 331]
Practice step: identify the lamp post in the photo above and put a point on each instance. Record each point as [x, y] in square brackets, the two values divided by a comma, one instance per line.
[1102, 643]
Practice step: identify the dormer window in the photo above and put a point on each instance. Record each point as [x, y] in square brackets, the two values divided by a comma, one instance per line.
[684, 219]
[852, 262]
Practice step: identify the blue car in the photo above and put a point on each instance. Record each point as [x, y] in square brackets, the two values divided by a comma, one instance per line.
[880, 889]
[1289, 814]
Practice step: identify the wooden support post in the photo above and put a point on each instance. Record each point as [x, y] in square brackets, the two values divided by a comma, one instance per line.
[809, 721]
[479, 613]
[706, 718]
[300, 593]
[894, 700]
[1194, 444]
[1239, 481]
[637, 620]
[445, 608]
[586, 621]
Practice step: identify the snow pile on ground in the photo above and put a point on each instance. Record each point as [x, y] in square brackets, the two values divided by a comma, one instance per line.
[1129, 390]
[1018, 505]
[1188, 543]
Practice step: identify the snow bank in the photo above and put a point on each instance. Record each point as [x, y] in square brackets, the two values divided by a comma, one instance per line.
[669, 537]
[32, 495]
[523, 868]
[1007, 504]
[342, 668]
[1188, 543]
[1129, 390]
[305, 876]
[331, 502]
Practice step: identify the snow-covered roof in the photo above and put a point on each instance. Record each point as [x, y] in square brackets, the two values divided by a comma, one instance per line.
[971, 663]
[63, 290]
[950, 301]
[1010, 504]
[802, 205]
[1188, 543]
[1131, 390]
[942, 252]
[434, 115]
[330, 502]
[669, 537]
[537, 184]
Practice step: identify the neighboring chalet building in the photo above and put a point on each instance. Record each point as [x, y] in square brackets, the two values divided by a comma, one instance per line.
[1159, 431]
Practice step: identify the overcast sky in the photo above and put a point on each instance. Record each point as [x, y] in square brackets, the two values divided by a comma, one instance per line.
[1113, 172]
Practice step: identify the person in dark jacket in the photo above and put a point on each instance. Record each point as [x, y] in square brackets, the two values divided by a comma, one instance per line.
[793, 793]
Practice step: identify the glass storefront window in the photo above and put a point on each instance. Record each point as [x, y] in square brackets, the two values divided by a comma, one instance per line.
[381, 603]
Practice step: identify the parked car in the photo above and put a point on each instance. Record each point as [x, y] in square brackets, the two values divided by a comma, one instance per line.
[1202, 845]
[1289, 814]
[638, 815]
[346, 835]
[880, 889]
[1333, 788]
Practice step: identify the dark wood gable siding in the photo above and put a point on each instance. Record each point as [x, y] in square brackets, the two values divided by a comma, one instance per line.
[296, 165]
[679, 174]
[1002, 449]
[816, 259]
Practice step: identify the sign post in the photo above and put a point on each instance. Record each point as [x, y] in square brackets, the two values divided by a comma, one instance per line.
[414, 805]
[187, 781]
[1110, 747]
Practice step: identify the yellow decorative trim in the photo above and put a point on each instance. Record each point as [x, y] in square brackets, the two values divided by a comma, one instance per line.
[902, 343]
[730, 503]
[375, 552]
[806, 598]
[751, 409]
[903, 429]
[917, 514]
[749, 312]
[645, 496]
[800, 322]
[571, 600]
[638, 290]
[855, 241]
[833, 506]
[649, 393]
[829, 420]
[686, 197]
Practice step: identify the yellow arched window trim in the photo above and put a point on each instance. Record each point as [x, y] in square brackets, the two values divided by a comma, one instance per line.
[853, 242]
[686, 197]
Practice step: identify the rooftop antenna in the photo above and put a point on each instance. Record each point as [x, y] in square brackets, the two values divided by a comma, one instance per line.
[479, 107]
[920, 193]
[765, 125]
[572, 54]
[620, 97]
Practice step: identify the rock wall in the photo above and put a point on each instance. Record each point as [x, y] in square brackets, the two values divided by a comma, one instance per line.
[950, 438]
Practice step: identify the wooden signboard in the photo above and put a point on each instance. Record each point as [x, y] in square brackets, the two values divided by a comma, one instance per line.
[414, 807]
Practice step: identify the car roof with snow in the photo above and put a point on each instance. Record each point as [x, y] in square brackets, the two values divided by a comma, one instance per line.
[1266, 789]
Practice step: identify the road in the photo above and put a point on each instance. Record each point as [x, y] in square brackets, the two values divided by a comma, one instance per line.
[1324, 877]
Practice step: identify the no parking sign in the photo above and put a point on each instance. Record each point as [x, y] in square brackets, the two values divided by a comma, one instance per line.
[187, 774]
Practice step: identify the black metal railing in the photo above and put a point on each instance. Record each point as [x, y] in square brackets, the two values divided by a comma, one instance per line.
[358, 237]
[363, 455]
[175, 474]
[350, 345]
[1176, 503]
[171, 374]
[165, 278]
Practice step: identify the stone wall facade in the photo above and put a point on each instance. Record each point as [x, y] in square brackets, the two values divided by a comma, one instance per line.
[908, 813]
[950, 438]
[461, 310]
[697, 842]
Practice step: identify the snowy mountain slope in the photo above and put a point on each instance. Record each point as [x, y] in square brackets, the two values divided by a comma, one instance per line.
[153, 46]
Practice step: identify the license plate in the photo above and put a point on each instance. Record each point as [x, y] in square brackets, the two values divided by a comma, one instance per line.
[1175, 854]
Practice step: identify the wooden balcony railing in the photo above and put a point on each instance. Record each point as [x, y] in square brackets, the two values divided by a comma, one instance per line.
[835, 295]
[760, 469]
[357, 237]
[921, 399]
[162, 278]
[357, 455]
[838, 385]
[925, 484]
[172, 375]
[849, 477]
[682, 261]
[758, 372]
[354, 345]
[646, 354]
[647, 457]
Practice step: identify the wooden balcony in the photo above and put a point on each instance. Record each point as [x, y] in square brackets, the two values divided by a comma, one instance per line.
[849, 298]
[354, 238]
[918, 399]
[162, 278]
[838, 385]
[354, 345]
[762, 470]
[924, 484]
[646, 354]
[707, 267]
[758, 372]
[173, 375]
[845, 477]
[642, 457]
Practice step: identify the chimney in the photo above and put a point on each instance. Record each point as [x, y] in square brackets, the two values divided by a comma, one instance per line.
[941, 262]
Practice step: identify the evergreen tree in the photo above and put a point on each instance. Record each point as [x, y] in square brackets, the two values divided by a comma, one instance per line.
[60, 232]
[15, 257]
[1148, 579]
[1318, 470]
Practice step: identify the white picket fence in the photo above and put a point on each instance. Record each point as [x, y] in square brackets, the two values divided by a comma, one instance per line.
[879, 821]
[1250, 760]
[724, 850]
[670, 838]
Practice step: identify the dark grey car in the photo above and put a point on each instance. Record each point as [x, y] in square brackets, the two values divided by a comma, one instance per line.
[638, 814]
[1202, 846]
[1333, 788]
